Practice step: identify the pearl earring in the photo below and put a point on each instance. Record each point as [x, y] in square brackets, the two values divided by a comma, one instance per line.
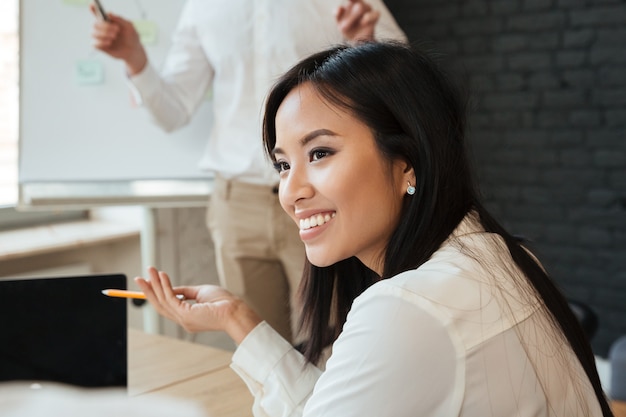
[410, 190]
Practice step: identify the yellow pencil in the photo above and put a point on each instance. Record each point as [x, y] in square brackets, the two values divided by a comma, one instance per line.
[130, 294]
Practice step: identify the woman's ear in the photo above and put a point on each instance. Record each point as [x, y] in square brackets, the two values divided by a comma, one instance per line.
[408, 177]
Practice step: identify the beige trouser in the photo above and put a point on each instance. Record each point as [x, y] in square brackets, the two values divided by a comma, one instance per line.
[259, 253]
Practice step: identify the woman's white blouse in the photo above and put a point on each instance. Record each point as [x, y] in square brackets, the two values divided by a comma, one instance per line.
[455, 337]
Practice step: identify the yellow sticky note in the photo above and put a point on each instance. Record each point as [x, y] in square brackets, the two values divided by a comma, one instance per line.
[147, 31]
[89, 72]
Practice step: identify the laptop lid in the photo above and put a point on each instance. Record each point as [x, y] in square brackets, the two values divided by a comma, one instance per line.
[63, 329]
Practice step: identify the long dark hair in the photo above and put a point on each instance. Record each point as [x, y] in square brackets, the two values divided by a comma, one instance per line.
[416, 114]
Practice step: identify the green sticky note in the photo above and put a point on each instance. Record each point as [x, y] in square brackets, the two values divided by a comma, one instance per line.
[89, 72]
[76, 2]
[147, 31]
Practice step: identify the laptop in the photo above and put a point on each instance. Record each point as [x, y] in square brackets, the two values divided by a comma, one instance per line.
[64, 330]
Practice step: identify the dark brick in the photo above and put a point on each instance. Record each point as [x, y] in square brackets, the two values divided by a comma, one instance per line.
[545, 158]
[544, 80]
[560, 233]
[615, 118]
[543, 41]
[601, 197]
[599, 16]
[530, 139]
[506, 119]
[565, 138]
[537, 22]
[605, 138]
[487, 138]
[553, 119]
[483, 64]
[534, 5]
[563, 98]
[477, 26]
[481, 120]
[571, 4]
[571, 59]
[572, 158]
[612, 36]
[510, 43]
[476, 45]
[482, 82]
[449, 46]
[504, 7]
[580, 38]
[613, 97]
[617, 180]
[530, 61]
[609, 159]
[509, 194]
[602, 55]
[581, 177]
[475, 8]
[612, 76]
[434, 30]
[585, 118]
[578, 78]
[510, 81]
[547, 213]
[537, 195]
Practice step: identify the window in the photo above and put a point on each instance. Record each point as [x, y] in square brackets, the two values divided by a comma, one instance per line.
[9, 122]
[9, 96]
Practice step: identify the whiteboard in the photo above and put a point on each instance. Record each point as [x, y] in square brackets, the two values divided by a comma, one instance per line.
[79, 128]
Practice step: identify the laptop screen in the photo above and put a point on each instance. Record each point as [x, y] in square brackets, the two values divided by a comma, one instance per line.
[63, 329]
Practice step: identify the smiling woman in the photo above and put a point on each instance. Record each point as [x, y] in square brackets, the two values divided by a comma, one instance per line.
[428, 305]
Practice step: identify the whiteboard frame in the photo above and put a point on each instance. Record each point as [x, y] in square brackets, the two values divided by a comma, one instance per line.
[86, 195]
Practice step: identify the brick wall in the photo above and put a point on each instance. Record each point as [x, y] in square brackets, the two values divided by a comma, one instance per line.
[548, 129]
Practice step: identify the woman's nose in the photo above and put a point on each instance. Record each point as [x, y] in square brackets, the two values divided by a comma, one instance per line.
[295, 186]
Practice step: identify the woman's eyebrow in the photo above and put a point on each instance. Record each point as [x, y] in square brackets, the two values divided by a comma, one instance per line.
[307, 138]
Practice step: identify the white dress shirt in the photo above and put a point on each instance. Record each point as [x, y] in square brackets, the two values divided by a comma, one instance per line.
[239, 48]
[454, 337]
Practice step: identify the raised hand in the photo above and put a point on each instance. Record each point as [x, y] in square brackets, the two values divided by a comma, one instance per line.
[357, 20]
[118, 38]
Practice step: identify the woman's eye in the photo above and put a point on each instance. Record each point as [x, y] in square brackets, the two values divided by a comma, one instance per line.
[281, 166]
[318, 154]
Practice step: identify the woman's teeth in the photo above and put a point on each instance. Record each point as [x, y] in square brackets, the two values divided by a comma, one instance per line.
[315, 220]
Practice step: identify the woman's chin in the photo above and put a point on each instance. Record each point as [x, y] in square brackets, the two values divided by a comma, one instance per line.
[320, 261]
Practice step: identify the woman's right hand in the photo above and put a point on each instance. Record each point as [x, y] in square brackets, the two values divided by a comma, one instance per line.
[214, 308]
[118, 38]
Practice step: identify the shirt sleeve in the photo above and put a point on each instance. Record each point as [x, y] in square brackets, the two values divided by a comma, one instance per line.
[173, 94]
[276, 374]
[393, 358]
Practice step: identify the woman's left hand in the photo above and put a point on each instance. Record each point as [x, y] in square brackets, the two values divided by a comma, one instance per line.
[214, 309]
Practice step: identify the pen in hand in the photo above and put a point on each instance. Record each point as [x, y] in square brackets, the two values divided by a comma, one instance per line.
[131, 294]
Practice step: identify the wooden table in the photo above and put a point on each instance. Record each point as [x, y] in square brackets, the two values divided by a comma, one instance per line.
[160, 365]
[619, 408]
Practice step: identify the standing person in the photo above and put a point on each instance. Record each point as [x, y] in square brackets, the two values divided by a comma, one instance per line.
[236, 49]
[430, 307]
